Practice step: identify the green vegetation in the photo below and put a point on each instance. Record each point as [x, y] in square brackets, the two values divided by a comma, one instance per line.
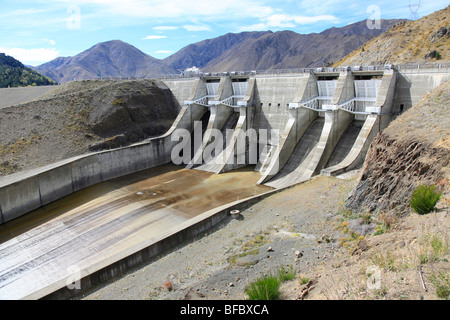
[424, 199]
[14, 74]
[286, 275]
[303, 280]
[442, 284]
[434, 248]
[268, 287]
[118, 102]
[264, 288]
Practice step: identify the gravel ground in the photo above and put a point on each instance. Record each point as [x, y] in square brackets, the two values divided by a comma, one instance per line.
[295, 228]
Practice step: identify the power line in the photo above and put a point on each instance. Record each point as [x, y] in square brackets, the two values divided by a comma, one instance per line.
[414, 8]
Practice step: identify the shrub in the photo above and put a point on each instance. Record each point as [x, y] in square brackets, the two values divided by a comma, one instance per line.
[424, 199]
[264, 288]
[118, 102]
[442, 284]
[286, 275]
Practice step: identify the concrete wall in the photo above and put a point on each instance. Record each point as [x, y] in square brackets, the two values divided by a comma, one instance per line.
[345, 89]
[186, 89]
[218, 117]
[23, 192]
[267, 100]
[410, 88]
[272, 96]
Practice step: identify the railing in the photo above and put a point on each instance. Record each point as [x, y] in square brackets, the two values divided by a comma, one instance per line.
[424, 68]
[312, 104]
[201, 101]
[230, 101]
[404, 68]
[351, 106]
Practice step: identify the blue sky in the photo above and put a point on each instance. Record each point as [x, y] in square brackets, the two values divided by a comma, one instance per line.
[40, 30]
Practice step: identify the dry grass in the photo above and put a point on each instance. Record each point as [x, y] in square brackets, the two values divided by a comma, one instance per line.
[405, 43]
[388, 268]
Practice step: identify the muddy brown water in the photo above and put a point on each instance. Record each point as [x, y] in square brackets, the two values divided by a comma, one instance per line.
[99, 222]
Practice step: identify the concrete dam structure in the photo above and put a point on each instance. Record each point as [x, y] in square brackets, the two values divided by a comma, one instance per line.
[238, 138]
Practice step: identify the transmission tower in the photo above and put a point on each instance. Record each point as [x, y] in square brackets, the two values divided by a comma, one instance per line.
[414, 9]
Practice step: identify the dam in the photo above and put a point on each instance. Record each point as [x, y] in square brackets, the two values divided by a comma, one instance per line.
[86, 219]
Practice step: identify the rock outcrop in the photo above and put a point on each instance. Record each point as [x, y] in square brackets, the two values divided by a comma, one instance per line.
[413, 150]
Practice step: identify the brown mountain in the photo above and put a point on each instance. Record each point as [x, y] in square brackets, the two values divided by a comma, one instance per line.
[419, 41]
[263, 50]
[112, 59]
[201, 53]
[287, 49]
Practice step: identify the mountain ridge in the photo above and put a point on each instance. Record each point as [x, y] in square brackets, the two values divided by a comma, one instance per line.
[110, 59]
[14, 73]
[263, 50]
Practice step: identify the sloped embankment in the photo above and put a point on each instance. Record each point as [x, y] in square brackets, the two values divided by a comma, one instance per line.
[413, 150]
[80, 117]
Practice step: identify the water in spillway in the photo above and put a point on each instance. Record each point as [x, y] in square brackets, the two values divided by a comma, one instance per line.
[106, 222]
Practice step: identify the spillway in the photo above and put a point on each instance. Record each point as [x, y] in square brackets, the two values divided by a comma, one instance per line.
[96, 226]
[345, 143]
[106, 212]
[295, 170]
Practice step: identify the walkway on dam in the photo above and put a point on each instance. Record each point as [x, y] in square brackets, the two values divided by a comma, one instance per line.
[98, 225]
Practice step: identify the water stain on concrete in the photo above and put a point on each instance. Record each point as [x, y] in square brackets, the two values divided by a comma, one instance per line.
[103, 220]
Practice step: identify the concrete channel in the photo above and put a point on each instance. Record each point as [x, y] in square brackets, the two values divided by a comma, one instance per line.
[85, 238]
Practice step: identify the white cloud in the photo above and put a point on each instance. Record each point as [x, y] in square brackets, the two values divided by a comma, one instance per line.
[153, 37]
[287, 21]
[197, 27]
[50, 42]
[165, 28]
[178, 8]
[31, 56]
[164, 51]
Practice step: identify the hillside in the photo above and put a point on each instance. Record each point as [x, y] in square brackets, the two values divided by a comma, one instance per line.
[111, 59]
[287, 49]
[234, 51]
[14, 74]
[199, 54]
[419, 41]
[415, 148]
[79, 117]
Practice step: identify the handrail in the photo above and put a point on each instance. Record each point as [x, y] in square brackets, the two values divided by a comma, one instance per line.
[410, 67]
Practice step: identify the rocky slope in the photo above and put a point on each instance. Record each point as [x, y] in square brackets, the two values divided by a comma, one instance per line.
[414, 149]
[419, 41]
[80, 117]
